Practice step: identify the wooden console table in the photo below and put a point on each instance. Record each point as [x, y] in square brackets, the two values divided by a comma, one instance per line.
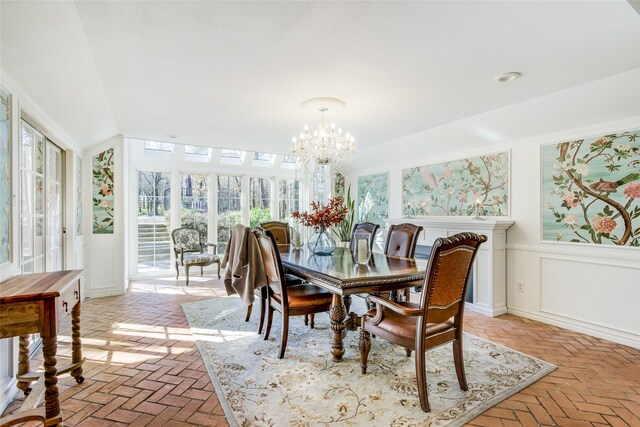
[32, 303]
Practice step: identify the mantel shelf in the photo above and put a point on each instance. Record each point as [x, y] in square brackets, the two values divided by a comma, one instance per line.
[458, 222]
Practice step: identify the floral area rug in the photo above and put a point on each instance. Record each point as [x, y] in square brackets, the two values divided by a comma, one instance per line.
[307, 388]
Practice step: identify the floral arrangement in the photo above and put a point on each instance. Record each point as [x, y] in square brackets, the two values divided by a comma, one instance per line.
[322, 217]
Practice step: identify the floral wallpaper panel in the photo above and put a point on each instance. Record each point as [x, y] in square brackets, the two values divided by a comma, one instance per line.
[591, 190]
[452, 188]
[373, 198]
[5, 178]
[102, 192]
[79, 196]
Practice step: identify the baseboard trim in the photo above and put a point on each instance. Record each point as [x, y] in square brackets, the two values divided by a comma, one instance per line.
[598, 332]
[110, 293]
[485, 311]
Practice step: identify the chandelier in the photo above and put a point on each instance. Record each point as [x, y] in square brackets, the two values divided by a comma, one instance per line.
[326, 145]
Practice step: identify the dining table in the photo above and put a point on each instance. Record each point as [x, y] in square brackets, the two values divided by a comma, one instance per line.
[340, 274]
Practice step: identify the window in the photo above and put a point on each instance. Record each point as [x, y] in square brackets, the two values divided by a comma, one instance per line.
[229, 209]
[265, 157]
[287, 159]
[232, 154]
[289, 191]
[195, 203]
[259, 201]
[158, 146]
[6, 211]
[196, 150]
[154, 197]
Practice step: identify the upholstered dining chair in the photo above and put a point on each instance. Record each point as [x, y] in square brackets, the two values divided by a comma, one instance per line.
[401, 241]
[288, 299]
[191, 251]
[437, 319]
[363, 227]
[280, 230]
[282, 233]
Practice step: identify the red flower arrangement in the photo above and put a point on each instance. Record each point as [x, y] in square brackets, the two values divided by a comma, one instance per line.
[322, 217]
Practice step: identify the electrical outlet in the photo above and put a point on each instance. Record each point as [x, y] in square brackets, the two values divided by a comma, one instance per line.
[520, 287]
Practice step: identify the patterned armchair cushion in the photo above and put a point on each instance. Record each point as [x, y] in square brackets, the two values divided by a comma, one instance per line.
[187, 239]
[200, 259]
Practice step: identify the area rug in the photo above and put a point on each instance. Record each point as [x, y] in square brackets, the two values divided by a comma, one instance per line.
[307, 388]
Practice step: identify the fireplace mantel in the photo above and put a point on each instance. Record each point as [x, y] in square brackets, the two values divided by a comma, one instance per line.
[489, 271]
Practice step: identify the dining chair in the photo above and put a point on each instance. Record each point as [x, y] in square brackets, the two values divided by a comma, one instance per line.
[437, 319]
[190, 251]
[363, 227]
[282, 233]
[288, 299]
[280, 230]
[401, 241]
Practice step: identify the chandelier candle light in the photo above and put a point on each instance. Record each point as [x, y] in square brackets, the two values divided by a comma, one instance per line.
[326, 145]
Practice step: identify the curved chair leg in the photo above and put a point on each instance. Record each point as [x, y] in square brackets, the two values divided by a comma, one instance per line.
[285, 335]
[421, 375]
[312, 318]
[218, 271]
[248, 316]
[408, 350]
[186, 268]
[201, 271]
[263, 305]
[269, 319]
[177, 270]
[306, 320]
[458, 360]
[407, 294]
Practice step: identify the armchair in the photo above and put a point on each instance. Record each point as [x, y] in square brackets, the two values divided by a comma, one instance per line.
[190, 251]
[437, 319]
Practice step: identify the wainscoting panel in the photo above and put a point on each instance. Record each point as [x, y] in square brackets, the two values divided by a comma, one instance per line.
[602, 294]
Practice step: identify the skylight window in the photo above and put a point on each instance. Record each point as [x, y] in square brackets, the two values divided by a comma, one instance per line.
[196, 150]
[265, 157]
[158, 146]
[231, 154]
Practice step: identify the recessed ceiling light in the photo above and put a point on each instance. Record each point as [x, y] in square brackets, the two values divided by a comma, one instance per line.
[172, 136]
[507, 77]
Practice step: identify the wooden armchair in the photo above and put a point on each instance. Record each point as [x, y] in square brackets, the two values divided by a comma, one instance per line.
[437, 319]
[363, 227]
[288, 299]
[190, 251]
[280, 230]
[401, 241]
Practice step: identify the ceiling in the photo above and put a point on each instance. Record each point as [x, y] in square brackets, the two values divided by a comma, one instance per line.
[233, 74]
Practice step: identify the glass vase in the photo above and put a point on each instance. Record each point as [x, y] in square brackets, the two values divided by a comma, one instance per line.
[321, 242]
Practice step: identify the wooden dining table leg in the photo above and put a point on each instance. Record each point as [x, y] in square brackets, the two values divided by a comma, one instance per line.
[337, 314]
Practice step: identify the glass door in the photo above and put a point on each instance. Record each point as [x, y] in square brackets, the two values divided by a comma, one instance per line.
[53, 205]
[41, 203]
[154, 209]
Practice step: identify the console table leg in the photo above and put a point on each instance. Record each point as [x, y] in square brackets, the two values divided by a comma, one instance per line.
[23, 363]
[51, 396]
[337, 314]
[76, 345]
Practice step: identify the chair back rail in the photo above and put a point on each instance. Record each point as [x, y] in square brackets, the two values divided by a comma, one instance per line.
[402, 240]
[363, 227]
[280, 230]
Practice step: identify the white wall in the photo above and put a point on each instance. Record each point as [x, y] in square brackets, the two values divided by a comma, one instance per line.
[106, 254]
[588, 288]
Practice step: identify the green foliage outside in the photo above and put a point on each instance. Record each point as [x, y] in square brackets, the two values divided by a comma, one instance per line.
[259, 215]
[194, 219]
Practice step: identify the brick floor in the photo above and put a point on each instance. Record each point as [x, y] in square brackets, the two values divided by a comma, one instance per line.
[144, 369]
